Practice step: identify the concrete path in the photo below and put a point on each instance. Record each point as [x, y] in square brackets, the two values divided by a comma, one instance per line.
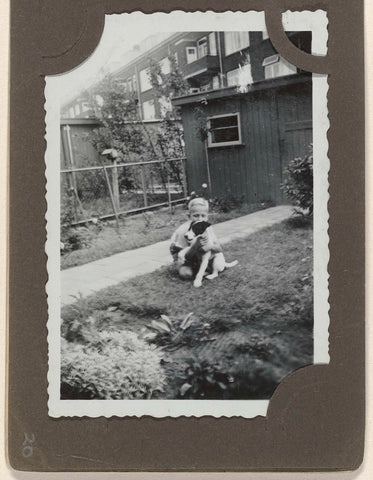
[94, 276]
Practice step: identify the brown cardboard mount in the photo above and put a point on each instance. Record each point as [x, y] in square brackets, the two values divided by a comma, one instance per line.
[315, 420]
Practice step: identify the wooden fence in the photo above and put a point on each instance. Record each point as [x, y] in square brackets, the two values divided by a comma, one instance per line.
[172, 191]
[94, 186]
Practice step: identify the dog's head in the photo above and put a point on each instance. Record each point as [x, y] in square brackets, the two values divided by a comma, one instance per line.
[195, 229]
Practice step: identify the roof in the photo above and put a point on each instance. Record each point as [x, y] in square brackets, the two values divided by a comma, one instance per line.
[234, 92]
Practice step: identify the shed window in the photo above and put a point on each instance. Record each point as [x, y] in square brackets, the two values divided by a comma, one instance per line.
[224, 130]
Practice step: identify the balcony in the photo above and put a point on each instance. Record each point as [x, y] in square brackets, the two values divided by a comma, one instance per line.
[203, 67]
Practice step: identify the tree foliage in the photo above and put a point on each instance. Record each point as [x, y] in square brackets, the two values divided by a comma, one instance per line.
[118, 112]
[123, 130]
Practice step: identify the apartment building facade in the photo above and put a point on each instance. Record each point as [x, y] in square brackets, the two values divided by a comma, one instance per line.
[207, 61]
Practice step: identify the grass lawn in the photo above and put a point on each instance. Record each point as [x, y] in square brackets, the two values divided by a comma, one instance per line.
[253, 324]
[97, 241]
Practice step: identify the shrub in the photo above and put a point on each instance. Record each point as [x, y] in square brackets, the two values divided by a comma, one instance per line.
[67, 210]
[226, 204]
[76, 238]
[299, 184]
[203, 379]
[114, 365]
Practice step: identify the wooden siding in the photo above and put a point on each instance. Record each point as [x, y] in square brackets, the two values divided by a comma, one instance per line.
[276, 126]
[84, 154]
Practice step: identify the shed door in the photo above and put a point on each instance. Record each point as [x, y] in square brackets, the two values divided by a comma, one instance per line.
[295, 121]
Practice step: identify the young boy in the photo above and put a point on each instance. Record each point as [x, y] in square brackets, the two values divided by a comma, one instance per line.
[198, 212]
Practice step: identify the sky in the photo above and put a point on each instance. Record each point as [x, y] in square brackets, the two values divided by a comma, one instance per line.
[118, 39]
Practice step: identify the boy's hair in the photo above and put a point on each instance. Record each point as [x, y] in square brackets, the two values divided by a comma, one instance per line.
[199, 201]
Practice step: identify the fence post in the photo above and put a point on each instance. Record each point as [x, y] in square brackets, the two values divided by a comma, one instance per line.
[111, 195]
[168, 186]
[143, 184]
[73, 177]
[115, 184]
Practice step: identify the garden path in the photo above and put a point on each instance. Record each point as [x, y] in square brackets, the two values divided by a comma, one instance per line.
[94, 276]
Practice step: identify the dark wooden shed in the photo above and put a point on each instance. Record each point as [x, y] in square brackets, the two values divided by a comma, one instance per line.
[251, 136]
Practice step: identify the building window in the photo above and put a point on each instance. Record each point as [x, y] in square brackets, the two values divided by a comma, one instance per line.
[240, 76]
[224, 130]
[235, 41]
[215, 82]
[129, 84]
[191, 54]
[148, 110]
[165, 65]
[202, 47]
[276, 66]
[265, 35]
[85, 107]
[165, 105]
[212, 43]
[134, 83]
[77, 109]
[145, 80]
[99, 100]
[71, 112]
[176, 57]
[123, 84]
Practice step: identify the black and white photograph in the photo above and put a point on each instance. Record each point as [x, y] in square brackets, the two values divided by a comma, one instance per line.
[187, 189]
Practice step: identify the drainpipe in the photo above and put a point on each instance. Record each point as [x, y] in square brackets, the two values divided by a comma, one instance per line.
[221, 73]
[208, 168]
[139, 92]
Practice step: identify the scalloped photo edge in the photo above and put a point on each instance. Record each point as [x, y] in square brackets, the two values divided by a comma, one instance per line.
[178, 21]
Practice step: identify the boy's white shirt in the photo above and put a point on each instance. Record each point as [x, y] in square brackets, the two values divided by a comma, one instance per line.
[179, 240]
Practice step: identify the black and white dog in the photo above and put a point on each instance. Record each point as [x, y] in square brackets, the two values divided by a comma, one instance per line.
[218, 261]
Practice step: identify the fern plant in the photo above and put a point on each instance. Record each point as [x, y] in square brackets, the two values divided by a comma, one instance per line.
[174, 334]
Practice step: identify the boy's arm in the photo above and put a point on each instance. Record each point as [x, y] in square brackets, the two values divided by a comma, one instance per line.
[176, 245]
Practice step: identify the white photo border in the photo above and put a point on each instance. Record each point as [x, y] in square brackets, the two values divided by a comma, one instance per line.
[316, 22]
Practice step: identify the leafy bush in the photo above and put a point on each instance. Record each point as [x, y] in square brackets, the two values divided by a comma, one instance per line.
[114, 365]
[67, 211]
[76, 238]
[203, 379]
[299, 184]
[174, 334]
